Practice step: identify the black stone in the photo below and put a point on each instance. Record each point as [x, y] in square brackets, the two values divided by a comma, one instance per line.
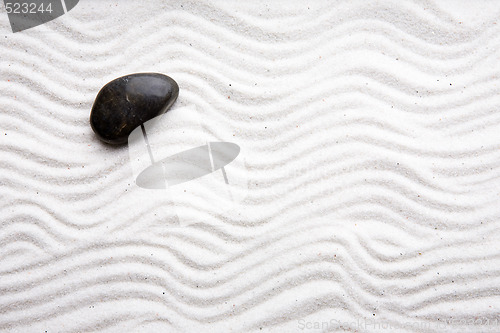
[129, 101]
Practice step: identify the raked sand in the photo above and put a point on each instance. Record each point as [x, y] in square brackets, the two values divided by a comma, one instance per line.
[370, 134]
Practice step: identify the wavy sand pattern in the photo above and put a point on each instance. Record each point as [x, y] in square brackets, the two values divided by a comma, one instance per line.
[371, 138]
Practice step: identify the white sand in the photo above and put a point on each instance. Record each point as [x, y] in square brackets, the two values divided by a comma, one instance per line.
[371, 135]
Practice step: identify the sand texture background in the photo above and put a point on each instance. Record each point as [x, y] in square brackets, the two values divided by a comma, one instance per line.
[371, 136]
